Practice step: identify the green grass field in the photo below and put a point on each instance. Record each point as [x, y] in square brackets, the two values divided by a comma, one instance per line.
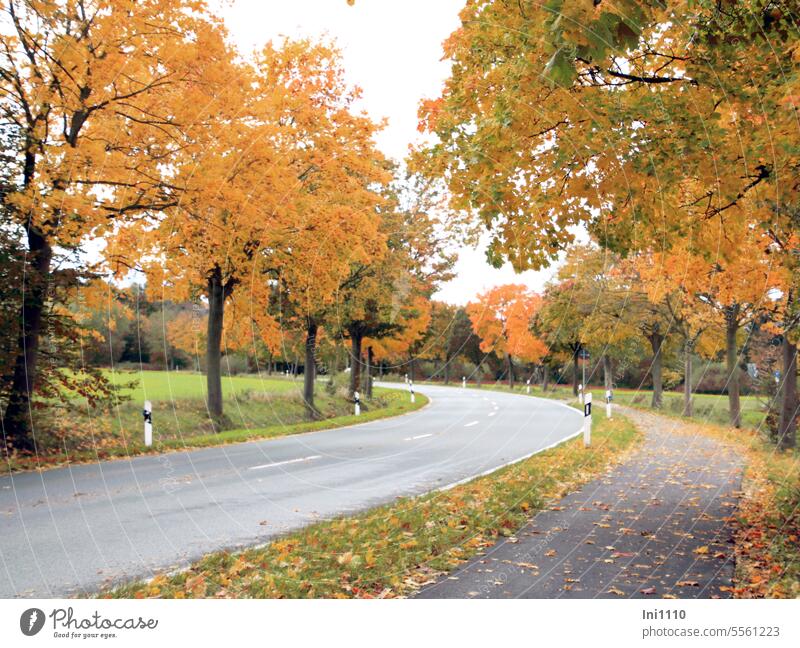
[176, 385]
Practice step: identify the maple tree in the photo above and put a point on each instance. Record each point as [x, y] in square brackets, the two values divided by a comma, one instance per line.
[649, 123]
[280, 198]
[740, 290]
[502, 317]
[338, 228]
[384, 309]
[93, 108]
[447, 336]
[662, 276]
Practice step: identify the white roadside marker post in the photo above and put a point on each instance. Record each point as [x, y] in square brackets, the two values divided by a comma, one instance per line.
[528, 385]
[464, 382]
[609, 398]
[411, 390]
[587, 421]
[406, 378]
[147, 413]
[357, 399]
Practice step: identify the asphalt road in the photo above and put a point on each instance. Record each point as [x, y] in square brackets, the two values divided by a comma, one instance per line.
[74, 530]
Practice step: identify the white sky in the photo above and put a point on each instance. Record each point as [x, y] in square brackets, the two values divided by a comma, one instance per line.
[392, 50]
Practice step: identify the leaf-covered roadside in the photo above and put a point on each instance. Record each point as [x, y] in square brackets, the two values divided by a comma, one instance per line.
[388, 403]
[393, 550]
[768, 518]
[768, 534]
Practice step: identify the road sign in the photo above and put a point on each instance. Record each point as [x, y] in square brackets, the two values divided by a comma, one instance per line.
[752, 370]
[584, 354]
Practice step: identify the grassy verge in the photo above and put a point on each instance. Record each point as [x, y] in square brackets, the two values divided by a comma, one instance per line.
[387, 402]
[712, 408]
[767, 546]
[392, 550]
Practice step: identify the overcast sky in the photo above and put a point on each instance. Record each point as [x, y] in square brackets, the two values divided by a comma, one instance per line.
[392, 49]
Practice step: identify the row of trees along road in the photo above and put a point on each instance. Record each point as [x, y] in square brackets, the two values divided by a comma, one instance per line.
[237, 182]
[668, 130]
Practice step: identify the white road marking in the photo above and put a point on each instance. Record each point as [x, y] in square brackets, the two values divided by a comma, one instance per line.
[286, 463]
[471, 424]
[420, 436]
[492, 413]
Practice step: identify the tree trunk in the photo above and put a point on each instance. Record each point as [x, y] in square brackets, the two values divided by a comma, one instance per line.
[17, 419]
[368, 379]
[355, 362]
[787, 424]
[687, 381]
[545, 377]
[311, 368]
[446, 369]
[478, 372]
[732, 354]
[608, 373]
[656, 341]
[575, 372]
[411, 369]
[510, 365]
[216, 315]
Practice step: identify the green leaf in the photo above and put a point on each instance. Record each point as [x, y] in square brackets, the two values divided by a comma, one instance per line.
[560, 69]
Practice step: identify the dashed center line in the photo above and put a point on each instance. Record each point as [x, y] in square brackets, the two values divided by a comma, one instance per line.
[285, 463]
[471, 424]
[419, 436]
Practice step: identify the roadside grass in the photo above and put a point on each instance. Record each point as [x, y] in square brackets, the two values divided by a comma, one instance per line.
[393, 550]
[182, 424]
[768, 537]
[710, 408]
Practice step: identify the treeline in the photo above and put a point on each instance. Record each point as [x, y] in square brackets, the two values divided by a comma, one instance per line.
[138, 143]
[669, 132]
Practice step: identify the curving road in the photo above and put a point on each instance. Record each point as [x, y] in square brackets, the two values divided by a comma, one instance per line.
[74, 530]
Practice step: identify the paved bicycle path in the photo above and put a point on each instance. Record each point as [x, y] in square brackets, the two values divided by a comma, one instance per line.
[658, 525]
